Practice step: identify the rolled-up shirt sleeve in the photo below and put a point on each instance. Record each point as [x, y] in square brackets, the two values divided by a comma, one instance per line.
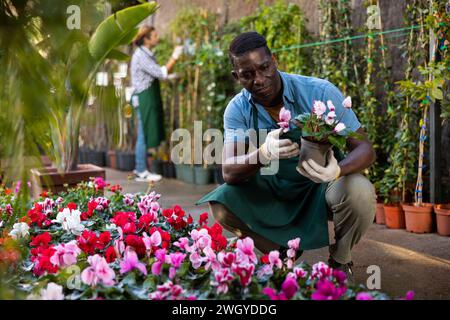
[153, 69]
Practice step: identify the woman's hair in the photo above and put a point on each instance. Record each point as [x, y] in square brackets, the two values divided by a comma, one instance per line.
[144, 32]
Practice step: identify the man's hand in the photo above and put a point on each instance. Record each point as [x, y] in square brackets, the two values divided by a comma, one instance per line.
[319, 174]
[274, 148]
[177, 52]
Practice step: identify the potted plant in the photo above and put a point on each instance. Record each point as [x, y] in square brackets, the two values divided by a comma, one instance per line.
[320, 130]
[443, 219]
[72, 77]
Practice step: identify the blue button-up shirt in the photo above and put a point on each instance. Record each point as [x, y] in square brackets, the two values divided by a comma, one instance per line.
[299, 93]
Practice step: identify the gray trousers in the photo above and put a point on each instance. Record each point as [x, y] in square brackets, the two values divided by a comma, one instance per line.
[351, 201]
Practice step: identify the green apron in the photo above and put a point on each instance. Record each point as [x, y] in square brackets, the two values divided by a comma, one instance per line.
[151, 112]
[279, 207]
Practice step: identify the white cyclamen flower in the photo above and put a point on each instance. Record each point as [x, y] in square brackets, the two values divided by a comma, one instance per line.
[52, 292]
[20, 230]
[70, 221]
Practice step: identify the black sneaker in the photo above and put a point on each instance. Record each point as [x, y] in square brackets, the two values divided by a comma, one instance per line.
[283, 253]
[346, 267]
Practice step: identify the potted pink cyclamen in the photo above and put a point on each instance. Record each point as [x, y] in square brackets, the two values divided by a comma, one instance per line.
[320, 130]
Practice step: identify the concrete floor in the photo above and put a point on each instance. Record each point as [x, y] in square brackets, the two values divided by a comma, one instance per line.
[418, 262]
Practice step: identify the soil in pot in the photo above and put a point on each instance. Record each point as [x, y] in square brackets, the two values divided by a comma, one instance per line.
[443, 219]
[202, 175]
[419, 219]
[379, 214]
[394, 217]
[312, 150]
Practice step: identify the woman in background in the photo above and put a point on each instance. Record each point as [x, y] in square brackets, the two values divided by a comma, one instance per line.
[145, 75]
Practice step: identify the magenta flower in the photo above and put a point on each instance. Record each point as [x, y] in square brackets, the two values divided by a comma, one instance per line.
[347, 103]
[160, 256]
[300, 272]
[320, 270]
[176, 259]
[364, 296]
[222, 277]
[65, 254]
[98, 272]
[131, 262]
[245, 272]
[183, 244]
[285, 117]
[196, 260]
[289, 287]
[273, 295]
[326, 290]
[226, 259]
[409, 296]
[99, 183]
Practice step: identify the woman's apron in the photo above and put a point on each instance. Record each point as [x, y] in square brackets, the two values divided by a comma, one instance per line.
[151, 112]
[279, 207]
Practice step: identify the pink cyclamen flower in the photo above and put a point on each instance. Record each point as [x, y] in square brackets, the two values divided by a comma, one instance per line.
[246, 250]
[330, 105]
[99, 183]
[160, 256]
[274, 259]
[300, 272]
[196, 260]
[339, 127]
[266, 270]
[364, 296]
[319, 108]
[147, 205]
[330, 118]
[285, 117]
[131, 261]
[409, 296]
[153, 241]
[289, 287]
[272, 294]
[326, 290]
[347, 103]
[226, 259]
[245, 272]
[222, 277]
[176, 259]
[183, 244]
[66, 254]
[98, 272]
[201, 238]
[321, 270]
[211, 259]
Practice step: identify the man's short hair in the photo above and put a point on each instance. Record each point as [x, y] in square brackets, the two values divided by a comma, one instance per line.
[246, 42]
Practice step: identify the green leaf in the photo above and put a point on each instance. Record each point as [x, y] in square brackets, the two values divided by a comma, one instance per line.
[437, 93]
[117, 27]
[117, 55]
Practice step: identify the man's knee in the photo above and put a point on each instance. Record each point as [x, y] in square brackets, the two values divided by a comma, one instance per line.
[355, 191]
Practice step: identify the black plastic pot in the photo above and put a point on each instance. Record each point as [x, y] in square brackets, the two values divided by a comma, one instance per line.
[168, 169]
[157, 166]
[82, 154]
[95, 157]
[125, 161]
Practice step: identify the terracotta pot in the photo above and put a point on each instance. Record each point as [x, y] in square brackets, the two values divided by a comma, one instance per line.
[394, 216]
[379, 214]
[49, 179]
[443, 219]
[312, 150]
[112, 159]
[419, 219]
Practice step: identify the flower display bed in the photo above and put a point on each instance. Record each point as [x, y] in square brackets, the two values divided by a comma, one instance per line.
[80, 244]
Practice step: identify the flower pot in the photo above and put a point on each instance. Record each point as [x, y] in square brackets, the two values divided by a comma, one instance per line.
[419, 219]
[150, 163]
[188, 174]
[157, 166]
[202, 175]
[179, 172]
[313, 150]
[111, 159]
[125, 161]
[96, 157]
[82, 155]
[379, 214]
[49, 179]
[394, 217]
[443, 219]
[168, 169]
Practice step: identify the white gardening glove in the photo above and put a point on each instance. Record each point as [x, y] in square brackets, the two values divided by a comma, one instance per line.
[274, 148]
[319, 174]
[177, 52]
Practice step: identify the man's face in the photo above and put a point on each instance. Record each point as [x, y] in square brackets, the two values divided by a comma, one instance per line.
[257, 72]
